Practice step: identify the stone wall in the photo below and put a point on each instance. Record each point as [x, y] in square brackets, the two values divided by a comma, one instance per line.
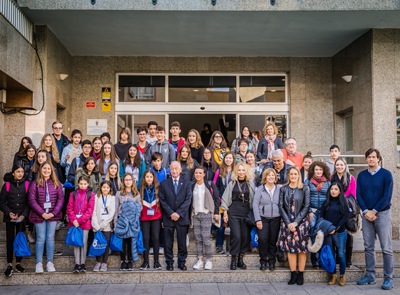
[309, 83]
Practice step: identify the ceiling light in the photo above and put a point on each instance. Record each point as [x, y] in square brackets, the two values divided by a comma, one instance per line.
[273, 90]
[347, 78]
[196, 90]
[63, 76]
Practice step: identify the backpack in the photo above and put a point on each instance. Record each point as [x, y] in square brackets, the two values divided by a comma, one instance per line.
[88, 195]
[26, 186]
[354, 219]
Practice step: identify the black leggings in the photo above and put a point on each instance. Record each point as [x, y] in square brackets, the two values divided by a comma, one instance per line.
[126, 254]
[12, 229]
[151, 229]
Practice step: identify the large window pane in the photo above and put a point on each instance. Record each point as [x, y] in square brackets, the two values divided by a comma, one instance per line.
[135, 121]
[262, 89]
[257, 122]
[202, 89]
[141, 88]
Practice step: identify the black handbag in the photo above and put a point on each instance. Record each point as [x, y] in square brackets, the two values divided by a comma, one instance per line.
[250, 220]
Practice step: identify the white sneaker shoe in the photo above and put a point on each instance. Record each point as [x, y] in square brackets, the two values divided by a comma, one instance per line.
[31, 239]
[50, 267]
[208, 265]
[161, 250]
[187, 240]
[97, 266]
[199, 265]
[39, 267]
[151, 251]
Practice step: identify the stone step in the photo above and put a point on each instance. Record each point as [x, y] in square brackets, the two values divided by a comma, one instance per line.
[216, 275]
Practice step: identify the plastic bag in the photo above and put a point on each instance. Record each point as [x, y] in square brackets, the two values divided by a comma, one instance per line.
[98, 246]
[139, 241]
[115, 243]
[326, 259]
[74, 237]
[21, 247]
[254, 238]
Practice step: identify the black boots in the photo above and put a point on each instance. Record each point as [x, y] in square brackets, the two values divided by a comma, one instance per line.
[233, 262]
[293, 278]
[240, 262]
[300, 278]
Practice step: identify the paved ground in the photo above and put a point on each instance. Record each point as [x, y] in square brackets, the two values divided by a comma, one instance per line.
[193, 289]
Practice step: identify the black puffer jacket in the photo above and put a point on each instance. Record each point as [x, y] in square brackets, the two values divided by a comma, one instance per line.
[15, 200]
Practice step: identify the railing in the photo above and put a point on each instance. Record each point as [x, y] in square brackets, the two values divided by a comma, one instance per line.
[348, 156]
[15, 16]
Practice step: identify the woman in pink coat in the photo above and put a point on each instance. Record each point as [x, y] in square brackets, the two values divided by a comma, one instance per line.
[80, 210]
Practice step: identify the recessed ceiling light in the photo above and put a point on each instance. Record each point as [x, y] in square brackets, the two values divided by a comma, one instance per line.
[196, 90]
[273, 90]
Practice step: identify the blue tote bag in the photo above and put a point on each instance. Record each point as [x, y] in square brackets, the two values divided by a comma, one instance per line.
[21, 247]
[115, 243]
[326, 259]
[99, 245]
[74, 237]
[139, 242]
[254, 238]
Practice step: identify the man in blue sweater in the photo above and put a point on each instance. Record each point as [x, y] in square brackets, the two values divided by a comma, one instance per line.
[374, 193]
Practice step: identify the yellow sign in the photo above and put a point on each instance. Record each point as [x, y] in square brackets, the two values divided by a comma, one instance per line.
[106, 106]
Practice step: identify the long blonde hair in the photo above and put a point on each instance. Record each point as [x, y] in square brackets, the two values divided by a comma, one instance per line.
[198, 143]
[299, 181]
[108, 172]
[189, 160]
[54, 149]
[249, 173]
[135, 192]
[40, 180]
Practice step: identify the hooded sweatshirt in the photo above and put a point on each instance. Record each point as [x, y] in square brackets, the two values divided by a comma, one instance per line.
[166, 149]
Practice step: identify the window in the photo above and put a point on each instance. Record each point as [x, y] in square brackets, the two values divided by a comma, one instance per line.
[348, 132]
[141, 88]
[262, 89]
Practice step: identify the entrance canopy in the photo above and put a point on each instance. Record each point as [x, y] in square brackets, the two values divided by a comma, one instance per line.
[209, 33]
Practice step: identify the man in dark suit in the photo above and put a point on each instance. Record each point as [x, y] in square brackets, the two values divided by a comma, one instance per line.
[175, 197]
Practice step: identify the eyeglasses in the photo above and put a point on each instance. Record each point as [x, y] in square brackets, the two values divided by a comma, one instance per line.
[217, 136]
[128, 179]
[87, 147]
[57, 128]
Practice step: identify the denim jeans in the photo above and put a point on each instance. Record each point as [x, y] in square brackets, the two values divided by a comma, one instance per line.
[337, 242]
[382, 227]
[220, 235]
[45, 233]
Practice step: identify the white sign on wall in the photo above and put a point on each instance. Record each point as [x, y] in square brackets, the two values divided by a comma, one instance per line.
[96, 126]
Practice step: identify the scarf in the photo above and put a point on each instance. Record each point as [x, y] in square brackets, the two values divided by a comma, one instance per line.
[335, 178]
[318, 182]
[271, 146]
[96, 156]
[149, 196]
[219, 154]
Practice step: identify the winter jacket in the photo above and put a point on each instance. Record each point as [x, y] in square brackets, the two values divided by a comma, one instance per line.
[209, 171]
[94, 179]
[227, 196]
[86, 209]
[65, 143]
[142, 168]
[221, 183]
[66, 152]
[181, 142]
[262, 147]
[97, 222]
[37, 197]
[301, 203]
[264, 205]
[282, 180]
[122, 149]
[119, 201]
[235, 145]
[76, 163]
[188, 173]
[15, 200]
[317, 198]
[128, 225]
[166, 149]
[161, 175]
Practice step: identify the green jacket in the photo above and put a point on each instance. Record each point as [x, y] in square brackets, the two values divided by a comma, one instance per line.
[95, 179]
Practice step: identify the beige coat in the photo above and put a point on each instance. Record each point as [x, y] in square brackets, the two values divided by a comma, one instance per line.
[97, 222]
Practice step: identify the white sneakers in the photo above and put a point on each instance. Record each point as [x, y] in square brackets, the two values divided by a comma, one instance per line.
[39, 267]
[199, 265]
[208, 265]
[50, 267]
[97, 266]
[187, 240]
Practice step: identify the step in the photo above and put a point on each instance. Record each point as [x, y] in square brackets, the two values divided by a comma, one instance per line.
[66, 277]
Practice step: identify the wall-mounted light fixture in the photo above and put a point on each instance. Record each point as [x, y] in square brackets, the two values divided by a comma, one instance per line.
[63, 76]
[347, 78]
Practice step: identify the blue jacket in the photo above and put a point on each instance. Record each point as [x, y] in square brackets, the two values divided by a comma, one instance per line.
[65, 152]
[128, 225]
[317, 198]
[142, 168]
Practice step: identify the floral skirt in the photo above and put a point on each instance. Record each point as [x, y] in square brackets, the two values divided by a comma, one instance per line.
[294, 242]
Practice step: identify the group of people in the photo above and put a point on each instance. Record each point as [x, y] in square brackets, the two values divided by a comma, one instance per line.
[169, 185]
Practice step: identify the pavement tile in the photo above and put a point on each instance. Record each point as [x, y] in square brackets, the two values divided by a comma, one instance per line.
[261, 289]
[148, 289]
[232, 289]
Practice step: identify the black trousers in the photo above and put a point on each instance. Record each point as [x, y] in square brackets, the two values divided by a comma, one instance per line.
[12, 229]
[349, 247]
[181, 231]
[151, 229]
[267, 238]
[68, 191]
[240, 234]
[126, 254]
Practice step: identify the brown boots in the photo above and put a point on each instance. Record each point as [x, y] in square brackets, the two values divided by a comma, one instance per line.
[342, 280]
